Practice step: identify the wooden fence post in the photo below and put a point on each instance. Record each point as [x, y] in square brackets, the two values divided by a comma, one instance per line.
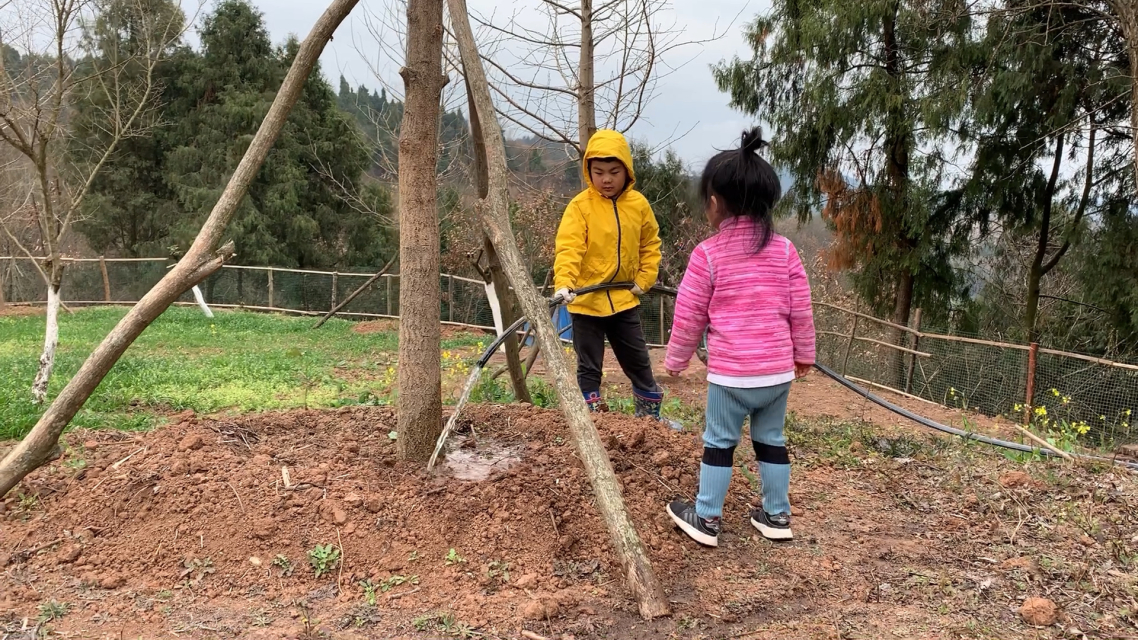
[663, 331]
[389, 294]
[3, 284]
[913, 356]
[271, 301]
[106, 279]
[849, 345]
[1029, 395]
[450, 298]
[335, 278]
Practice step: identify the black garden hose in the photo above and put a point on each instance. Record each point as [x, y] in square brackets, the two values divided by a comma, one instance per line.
[554, 302]
[923, 421]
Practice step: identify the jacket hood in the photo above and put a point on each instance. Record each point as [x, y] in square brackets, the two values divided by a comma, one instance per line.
[606, 143]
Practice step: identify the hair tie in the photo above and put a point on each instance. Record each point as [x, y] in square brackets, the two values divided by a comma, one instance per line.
[753, 141]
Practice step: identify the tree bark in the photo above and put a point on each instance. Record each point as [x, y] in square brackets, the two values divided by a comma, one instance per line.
[586, 85]
[1037, 269]
[506, 307]
[203, 258]
[494, 210]
[50, 342]
[420, 372]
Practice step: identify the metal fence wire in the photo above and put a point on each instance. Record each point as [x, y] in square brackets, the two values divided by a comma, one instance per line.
[954, 370]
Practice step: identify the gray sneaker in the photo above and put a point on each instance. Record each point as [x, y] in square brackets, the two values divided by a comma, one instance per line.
[705, 532]
[773, 527]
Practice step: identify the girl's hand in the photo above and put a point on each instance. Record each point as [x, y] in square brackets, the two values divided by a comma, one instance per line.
[800, 369]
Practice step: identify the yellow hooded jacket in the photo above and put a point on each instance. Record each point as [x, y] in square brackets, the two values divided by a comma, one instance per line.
[602, 240]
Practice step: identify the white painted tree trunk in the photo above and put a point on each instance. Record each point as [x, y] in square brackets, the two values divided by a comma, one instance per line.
[201, 301]
[50, 341]
[496, 309]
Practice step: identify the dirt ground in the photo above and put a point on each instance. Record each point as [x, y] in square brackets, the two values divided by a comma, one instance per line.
[193, 531]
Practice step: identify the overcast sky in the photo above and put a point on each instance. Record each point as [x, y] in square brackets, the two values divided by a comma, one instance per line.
[687, 105]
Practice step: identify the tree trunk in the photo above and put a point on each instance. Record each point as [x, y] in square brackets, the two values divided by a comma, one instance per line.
[203, 258]
[50, 341]
[1127, 11]
[586, 85]
[1037, 269]
[897, 144]
[494, 211]
[420, 372]
[506, 308]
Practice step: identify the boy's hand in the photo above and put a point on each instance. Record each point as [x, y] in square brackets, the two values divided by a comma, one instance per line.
[566, 295]
[637, 291]
[800, 369]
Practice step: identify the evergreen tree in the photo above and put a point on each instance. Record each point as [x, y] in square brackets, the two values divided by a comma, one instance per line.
[1051, 160]
[860, 96]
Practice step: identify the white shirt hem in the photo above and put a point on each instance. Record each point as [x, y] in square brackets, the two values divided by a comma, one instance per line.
[751, 382]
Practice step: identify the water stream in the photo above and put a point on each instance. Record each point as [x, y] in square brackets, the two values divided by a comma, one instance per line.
[475, 374]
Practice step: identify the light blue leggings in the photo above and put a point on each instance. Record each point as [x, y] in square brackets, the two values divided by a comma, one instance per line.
[727, 408]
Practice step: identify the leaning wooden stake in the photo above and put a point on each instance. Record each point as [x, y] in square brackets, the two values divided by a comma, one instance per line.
[204, 257]
[353, 295]
[637, 569]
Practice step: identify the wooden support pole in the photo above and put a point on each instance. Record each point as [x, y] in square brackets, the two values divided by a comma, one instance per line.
[335, 283]
[849, 345]
[450, 298]
[389, 295]
[106, 279]
[271, 305]
[637, 570]
[663, 324]
[1029, 394]
[913, 356]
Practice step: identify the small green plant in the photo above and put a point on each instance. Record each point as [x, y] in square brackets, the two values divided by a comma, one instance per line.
[752, 479]
[369, 589]
[52, 610]
[164, 595]
[395, 581]
[323, 558]
[283, 564]
[498, 571]
[542, 393]
[453, 558]
[260, 618]
[28, 502]
[491, 391]
[195, 570]
[445, 623]
[413, 557]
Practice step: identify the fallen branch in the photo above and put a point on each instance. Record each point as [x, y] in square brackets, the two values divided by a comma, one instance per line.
[205, 256]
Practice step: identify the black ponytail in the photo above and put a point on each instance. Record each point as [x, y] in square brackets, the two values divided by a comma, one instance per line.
[745, 183]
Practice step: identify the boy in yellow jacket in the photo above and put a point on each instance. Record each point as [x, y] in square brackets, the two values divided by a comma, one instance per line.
[609, 234]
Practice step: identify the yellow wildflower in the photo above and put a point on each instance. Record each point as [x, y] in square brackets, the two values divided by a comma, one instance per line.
[1017, 408]
[1041, 411]
[1066, 399]
[1055, 392]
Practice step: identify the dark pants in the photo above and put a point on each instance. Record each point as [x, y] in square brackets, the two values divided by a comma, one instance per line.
[627, 339]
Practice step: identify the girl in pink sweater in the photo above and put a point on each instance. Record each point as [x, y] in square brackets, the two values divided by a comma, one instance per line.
[745, 286]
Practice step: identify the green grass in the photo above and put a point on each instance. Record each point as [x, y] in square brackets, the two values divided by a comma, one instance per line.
[240, 361]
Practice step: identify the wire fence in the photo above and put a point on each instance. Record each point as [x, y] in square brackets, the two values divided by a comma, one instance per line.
[964, 371]
[96, 281]
[1059, 390]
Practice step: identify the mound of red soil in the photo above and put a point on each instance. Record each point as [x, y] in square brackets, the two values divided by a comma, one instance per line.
[202, 505]
[203, 529]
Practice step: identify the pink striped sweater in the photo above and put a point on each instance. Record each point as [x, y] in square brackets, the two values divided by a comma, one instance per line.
[756, 304]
